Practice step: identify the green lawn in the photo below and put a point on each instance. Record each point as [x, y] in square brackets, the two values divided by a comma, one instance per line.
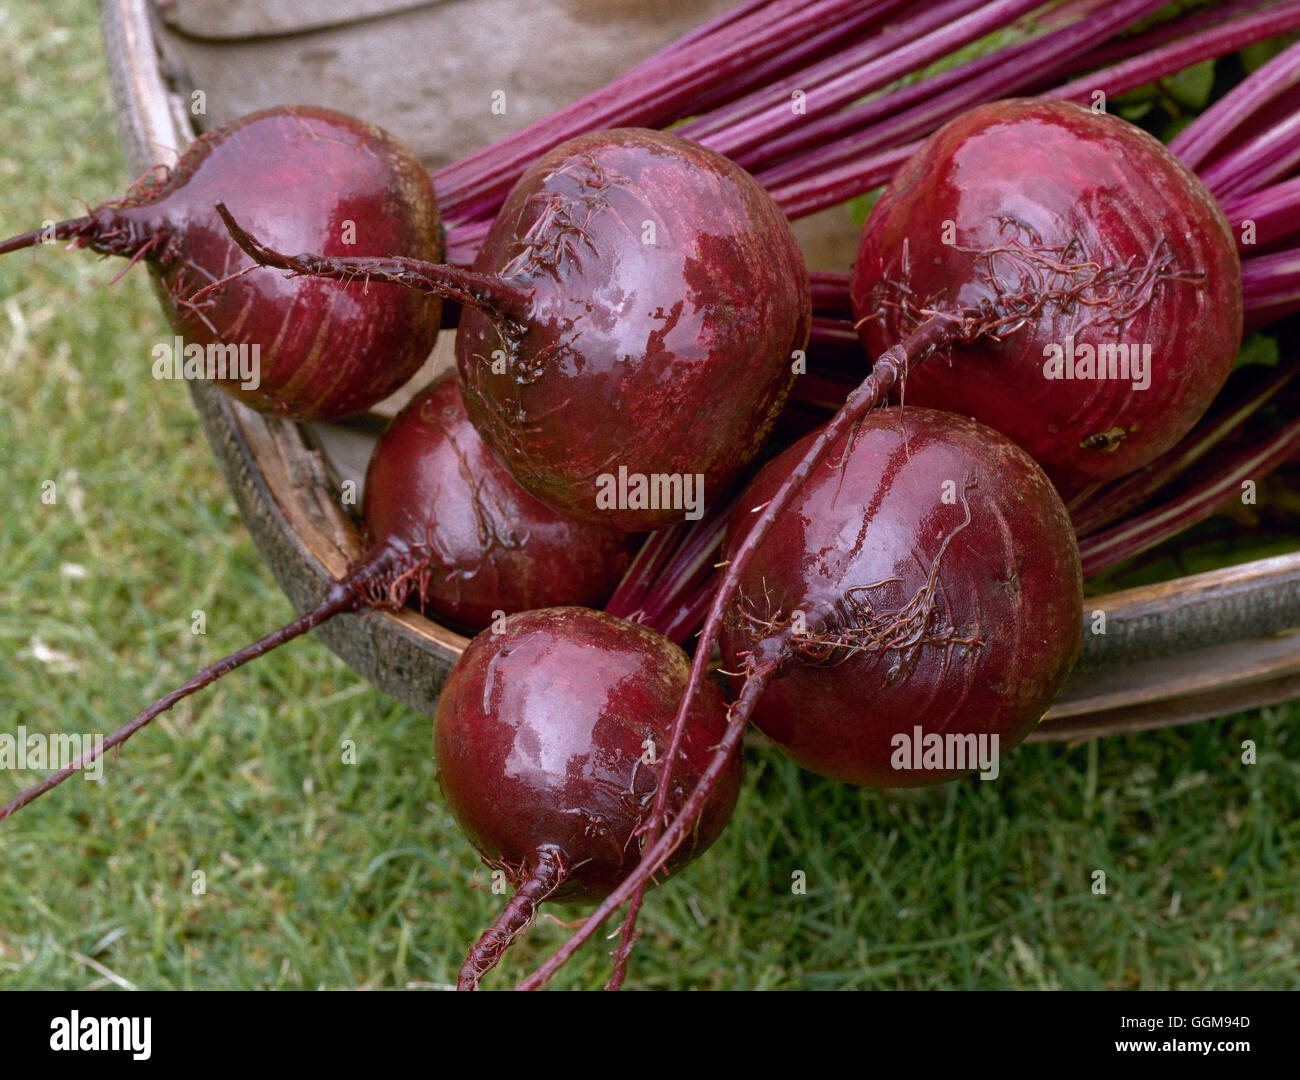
[319, 874]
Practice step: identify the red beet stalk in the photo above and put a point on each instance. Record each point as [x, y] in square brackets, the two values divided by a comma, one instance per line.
[1221, 483]
[1243, 397]
[820, 182]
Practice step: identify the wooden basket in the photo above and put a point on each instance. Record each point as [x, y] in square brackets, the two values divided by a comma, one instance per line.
[1188, 649]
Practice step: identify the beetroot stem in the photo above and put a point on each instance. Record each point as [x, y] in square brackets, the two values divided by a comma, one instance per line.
[924, 38]
[643, 571]
[1217, 40]
[1129, 538]
[1202, 137]
[495, 298]
[1016, 67]
[1111, 502]
[830, 174]
[339, 598]
[1275, 211]
[518, 914]
[1260, 160]
[63, 230]
[653, 94]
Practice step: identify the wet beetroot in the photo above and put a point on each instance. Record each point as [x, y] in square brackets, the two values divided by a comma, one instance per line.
[305, 178]
[669, 357]
[479, 542]
[1040, 221]
[541, 742]
[550, 737]
[936, 571]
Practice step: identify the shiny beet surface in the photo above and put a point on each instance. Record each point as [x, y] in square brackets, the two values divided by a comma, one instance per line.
[306, 179]
[668, 296]
[540, 736]
[1044, 182]
[434, 490]
[860, 544]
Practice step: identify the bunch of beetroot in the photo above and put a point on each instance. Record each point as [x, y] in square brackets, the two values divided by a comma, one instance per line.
[1047, 299]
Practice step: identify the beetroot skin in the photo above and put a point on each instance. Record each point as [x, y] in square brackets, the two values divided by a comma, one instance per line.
[1014, 191]
[434, 492]
[668, 296]
[298, 176]
[914, 617]
[540, 739]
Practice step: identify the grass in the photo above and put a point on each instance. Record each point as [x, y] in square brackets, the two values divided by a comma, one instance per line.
[231, 847]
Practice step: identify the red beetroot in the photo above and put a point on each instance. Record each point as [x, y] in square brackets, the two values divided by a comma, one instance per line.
[1033, 222]
[636, 306]
[549, 739]
[676, 344]
[936, 571]
[327, 349]
[482, 543]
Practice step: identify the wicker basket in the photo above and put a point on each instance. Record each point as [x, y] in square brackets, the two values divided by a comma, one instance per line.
[1183, 650]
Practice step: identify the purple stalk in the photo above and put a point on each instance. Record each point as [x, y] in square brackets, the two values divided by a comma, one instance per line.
[1275, 212]
[1220, 120]
[1179, 27]
[657, 94]
[819, 187]
[748, 105]
[821, 183]
[1270, 286]
[1141, 533]
[799, 55]
[645, 568]
[833, 332]
[723, 22]
[979, 80]
[684, 622]
[691, 565]
[1257, 162]
[463, 241]
[1244, 396]
[853, 73]
[863, 120]
[821, 393]
[1218, 40]
[662, 586]
[830, 292]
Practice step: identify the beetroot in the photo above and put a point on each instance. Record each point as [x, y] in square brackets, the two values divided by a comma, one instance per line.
[938, 579]
[480, 542]
[448, 530]
[326, 349]
[630, 324]
[1040, 226]
[677, 345]
[550, 737]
